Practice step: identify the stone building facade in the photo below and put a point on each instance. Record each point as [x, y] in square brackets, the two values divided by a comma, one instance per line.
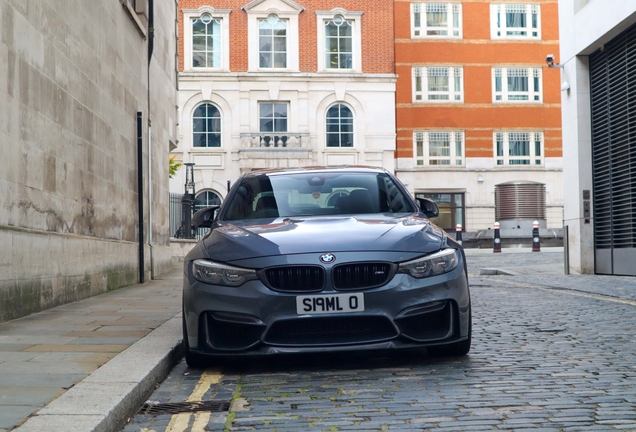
[598, 42]
[75, 77]
[282, 83]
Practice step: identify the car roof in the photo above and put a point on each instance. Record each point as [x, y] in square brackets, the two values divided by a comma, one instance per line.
[312, 169]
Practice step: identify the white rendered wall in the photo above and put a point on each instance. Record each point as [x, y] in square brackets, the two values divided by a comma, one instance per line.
[370, 97]
[480, 195]
[584, 28]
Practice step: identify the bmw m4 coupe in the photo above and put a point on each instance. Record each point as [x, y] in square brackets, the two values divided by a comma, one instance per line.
[323, 259]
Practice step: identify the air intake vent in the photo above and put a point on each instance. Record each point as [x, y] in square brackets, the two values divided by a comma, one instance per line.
[296, 278]
[519, 200]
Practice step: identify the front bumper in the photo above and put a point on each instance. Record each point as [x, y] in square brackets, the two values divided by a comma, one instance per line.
[253, 319]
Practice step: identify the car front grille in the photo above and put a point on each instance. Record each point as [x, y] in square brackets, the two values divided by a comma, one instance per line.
[296, 278]
[428, 325]
[360, 275]
[330, 331]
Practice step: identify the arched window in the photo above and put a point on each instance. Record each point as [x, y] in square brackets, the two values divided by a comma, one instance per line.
[206, 126]
[206, 199]
[339, 126]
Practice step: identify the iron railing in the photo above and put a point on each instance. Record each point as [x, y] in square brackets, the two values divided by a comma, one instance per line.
[181, 211]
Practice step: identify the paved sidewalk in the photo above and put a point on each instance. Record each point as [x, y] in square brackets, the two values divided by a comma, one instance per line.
[89, 365]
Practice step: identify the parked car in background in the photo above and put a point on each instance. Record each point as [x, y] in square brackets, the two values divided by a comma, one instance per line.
[323, 259]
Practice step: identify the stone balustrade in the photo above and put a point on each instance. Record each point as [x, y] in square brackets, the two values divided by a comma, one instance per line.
[275, 139]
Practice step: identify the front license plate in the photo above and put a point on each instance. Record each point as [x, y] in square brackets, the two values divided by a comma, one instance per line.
[336, 303]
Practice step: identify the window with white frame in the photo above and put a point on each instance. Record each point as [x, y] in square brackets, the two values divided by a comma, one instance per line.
[272, 116]
[272, 42]
[515, 21]
[517, 84]
[442, 20]
[339, 41]
[272, 35]
[518, 148]
[339, 121]
[439, 148]
[438, 84]
[206, 39]
[206, 126]
[206, 42]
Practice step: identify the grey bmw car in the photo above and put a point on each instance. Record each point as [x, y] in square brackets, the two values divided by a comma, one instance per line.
[323, 259]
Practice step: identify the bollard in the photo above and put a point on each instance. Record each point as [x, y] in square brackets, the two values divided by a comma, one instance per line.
[458, 233]
[497, 240]
[536, 240]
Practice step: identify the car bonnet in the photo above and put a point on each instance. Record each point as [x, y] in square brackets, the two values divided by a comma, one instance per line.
[282, 236]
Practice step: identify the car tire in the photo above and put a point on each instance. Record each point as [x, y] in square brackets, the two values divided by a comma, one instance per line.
[456, 349]
[193, 360]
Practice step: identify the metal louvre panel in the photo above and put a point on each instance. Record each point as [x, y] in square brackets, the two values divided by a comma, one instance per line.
[613, 111]
[520, 201]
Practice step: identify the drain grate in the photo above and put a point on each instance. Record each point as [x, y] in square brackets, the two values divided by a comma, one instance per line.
[155, 409]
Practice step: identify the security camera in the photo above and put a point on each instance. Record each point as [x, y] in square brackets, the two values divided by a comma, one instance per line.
[549, 59]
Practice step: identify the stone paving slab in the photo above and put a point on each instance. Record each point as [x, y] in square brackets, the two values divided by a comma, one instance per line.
[44, 355]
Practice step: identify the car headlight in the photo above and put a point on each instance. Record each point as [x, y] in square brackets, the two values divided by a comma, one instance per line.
[431, 265]
[219, 274]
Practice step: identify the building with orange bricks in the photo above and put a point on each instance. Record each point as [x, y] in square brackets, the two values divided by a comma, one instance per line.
[478, 110]
[283, 83]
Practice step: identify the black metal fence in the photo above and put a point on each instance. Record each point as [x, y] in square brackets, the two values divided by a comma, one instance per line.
[181, 210]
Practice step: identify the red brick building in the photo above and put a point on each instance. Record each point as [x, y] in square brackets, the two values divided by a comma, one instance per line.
[477, 108]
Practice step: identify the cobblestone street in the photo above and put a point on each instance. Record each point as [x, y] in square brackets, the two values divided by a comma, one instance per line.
[542, 359]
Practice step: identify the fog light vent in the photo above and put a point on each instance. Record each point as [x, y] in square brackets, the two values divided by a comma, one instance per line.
[184, 407]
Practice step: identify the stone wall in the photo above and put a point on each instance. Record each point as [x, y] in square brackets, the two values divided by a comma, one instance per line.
[73, 76]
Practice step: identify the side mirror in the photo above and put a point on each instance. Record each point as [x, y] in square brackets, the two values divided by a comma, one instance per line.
[204, 217]
[428, 207]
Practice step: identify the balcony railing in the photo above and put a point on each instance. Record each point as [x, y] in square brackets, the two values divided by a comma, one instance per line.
[275, 139]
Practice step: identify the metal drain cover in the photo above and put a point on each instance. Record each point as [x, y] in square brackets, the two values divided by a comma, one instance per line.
[184, 407]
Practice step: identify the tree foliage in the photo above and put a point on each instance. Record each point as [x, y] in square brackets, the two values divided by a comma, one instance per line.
[174, 165]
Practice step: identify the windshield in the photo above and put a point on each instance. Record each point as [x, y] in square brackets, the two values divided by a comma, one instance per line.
[316, 194]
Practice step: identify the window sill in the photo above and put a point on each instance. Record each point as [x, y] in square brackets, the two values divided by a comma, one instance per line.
[439, 167]
[205, 70]
[131, 12]
[429, 102]
[436, 37]
[517, 102]
[207, 150]
[516, 39]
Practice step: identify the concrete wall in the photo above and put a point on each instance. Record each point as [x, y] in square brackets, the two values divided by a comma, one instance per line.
[584, 28]
[73, 75]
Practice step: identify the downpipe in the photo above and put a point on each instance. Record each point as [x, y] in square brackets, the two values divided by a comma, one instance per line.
[151, 39]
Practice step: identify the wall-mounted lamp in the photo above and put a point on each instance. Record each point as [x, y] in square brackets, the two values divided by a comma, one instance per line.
[480, 179]
[549, 59]
[565, 86]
